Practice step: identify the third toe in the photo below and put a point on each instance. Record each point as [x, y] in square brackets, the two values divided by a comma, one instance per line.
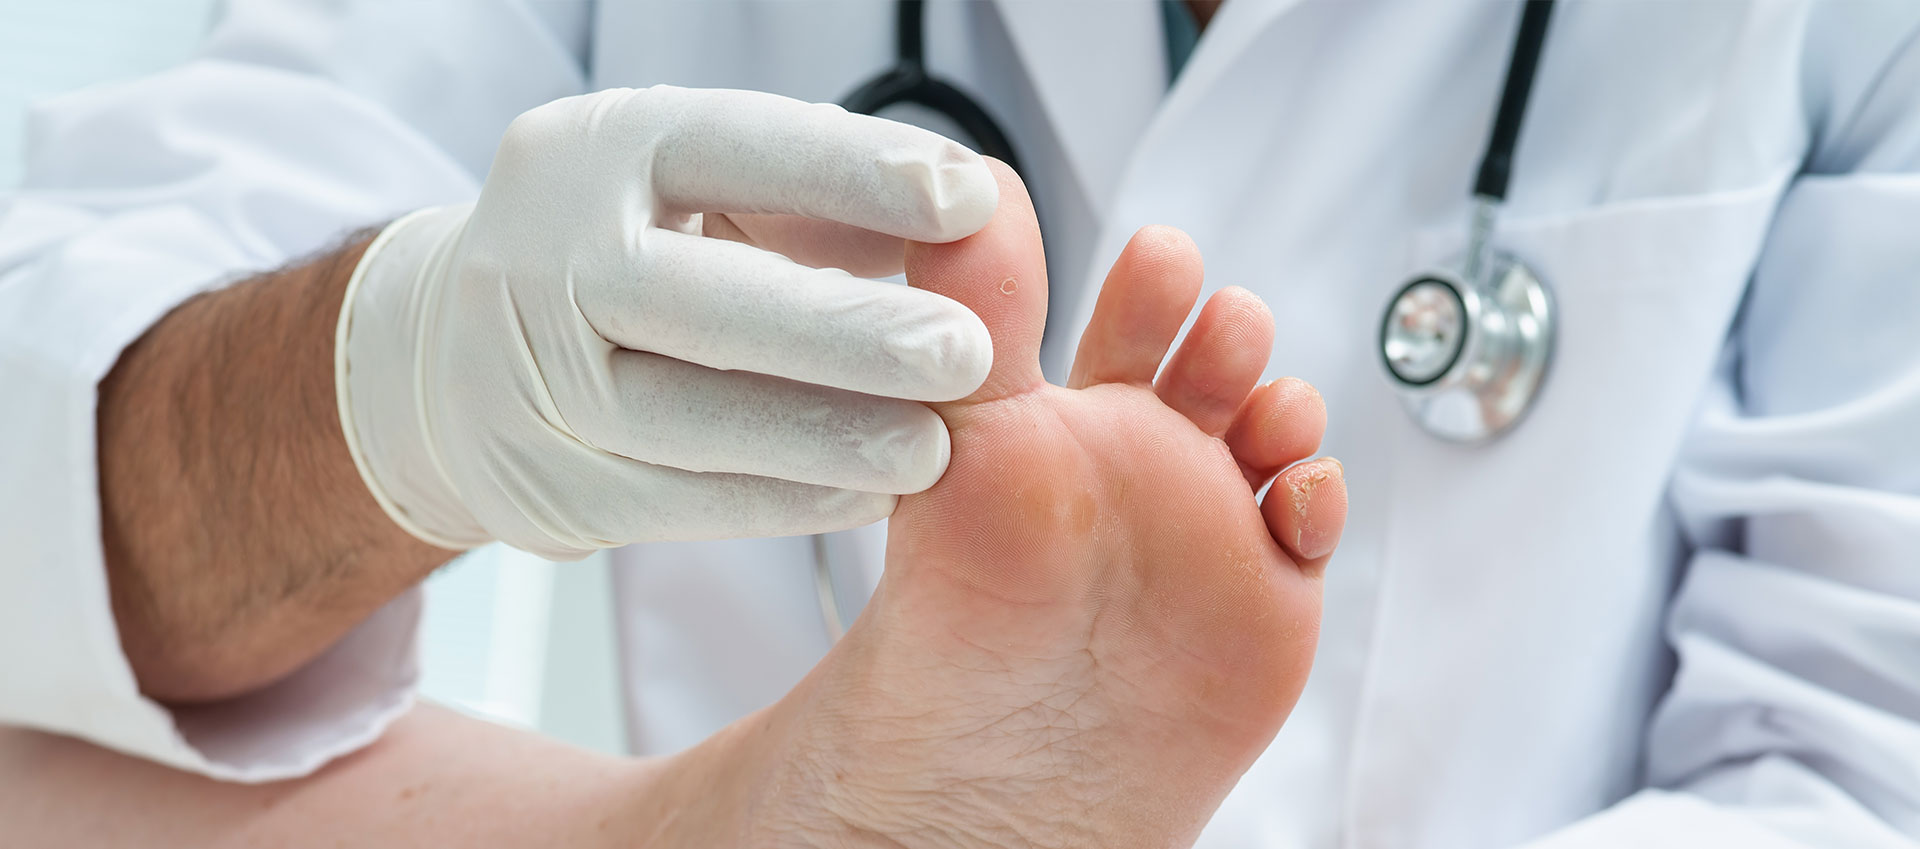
[1210, 376]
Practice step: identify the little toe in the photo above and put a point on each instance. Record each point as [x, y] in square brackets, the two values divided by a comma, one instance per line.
[1147, 296]
[1306, 510]
[1211, 374]
[1280, 424]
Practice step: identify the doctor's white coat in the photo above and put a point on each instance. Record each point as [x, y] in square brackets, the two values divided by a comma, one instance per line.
[1678, 606]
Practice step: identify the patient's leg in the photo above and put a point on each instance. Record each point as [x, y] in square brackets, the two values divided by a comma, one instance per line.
[1090, 627]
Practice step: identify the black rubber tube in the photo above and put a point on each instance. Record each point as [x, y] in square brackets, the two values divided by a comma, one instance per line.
[1496, 165]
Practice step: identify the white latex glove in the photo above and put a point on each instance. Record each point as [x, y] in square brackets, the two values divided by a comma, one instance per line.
[616, 343]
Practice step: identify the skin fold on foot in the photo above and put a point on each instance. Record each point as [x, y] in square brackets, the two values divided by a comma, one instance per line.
[1092, 625]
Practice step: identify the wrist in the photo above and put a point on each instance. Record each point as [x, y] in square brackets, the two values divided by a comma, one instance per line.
[381, 372]
[237, 542]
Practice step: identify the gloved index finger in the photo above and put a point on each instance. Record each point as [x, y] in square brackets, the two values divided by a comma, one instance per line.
[746, 151]
[730, 306]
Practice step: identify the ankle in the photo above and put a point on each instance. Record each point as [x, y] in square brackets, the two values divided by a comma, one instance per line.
[700, 798]
[849, 776]
[746, 786]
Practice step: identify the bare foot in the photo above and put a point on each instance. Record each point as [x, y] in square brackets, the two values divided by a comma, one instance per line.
[1090, 627]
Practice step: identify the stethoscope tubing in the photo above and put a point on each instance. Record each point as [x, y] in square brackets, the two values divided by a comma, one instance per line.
[1496, 164]
[908, 81]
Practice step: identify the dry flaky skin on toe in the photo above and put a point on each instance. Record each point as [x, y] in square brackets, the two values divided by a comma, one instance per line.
[1087, 630]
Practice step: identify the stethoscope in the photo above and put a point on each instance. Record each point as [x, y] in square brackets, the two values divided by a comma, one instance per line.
[1465, 347]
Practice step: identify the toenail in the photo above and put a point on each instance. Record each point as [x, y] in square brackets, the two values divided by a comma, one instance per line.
[1310, 541]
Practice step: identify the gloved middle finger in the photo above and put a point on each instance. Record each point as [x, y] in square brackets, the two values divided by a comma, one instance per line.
[668, 412]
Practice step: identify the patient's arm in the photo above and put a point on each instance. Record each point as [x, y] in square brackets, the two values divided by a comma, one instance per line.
[436, 779]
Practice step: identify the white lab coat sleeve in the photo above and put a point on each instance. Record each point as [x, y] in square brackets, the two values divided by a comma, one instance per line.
[1793, 719]
[300, 121]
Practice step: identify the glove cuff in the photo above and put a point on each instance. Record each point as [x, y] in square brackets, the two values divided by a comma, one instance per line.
[379, 380]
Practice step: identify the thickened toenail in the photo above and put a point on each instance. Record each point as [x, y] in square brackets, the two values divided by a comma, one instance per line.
[1309, 540]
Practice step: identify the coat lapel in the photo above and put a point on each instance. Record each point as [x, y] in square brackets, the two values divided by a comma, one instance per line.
[1099, 68]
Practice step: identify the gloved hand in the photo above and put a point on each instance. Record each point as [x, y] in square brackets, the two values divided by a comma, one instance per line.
[640, 330]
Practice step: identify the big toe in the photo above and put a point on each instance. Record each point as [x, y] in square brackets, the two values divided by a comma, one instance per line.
[1000, 273]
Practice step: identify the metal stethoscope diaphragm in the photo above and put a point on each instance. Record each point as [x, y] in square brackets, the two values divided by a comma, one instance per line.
[1467, 351]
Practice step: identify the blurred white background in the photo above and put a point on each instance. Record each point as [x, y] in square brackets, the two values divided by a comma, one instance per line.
[507, 635]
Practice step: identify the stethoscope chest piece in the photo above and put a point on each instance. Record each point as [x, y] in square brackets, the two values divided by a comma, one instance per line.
[1467, 358]
[1466, 351]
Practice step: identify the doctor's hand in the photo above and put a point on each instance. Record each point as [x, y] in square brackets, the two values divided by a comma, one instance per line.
[642, 330]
